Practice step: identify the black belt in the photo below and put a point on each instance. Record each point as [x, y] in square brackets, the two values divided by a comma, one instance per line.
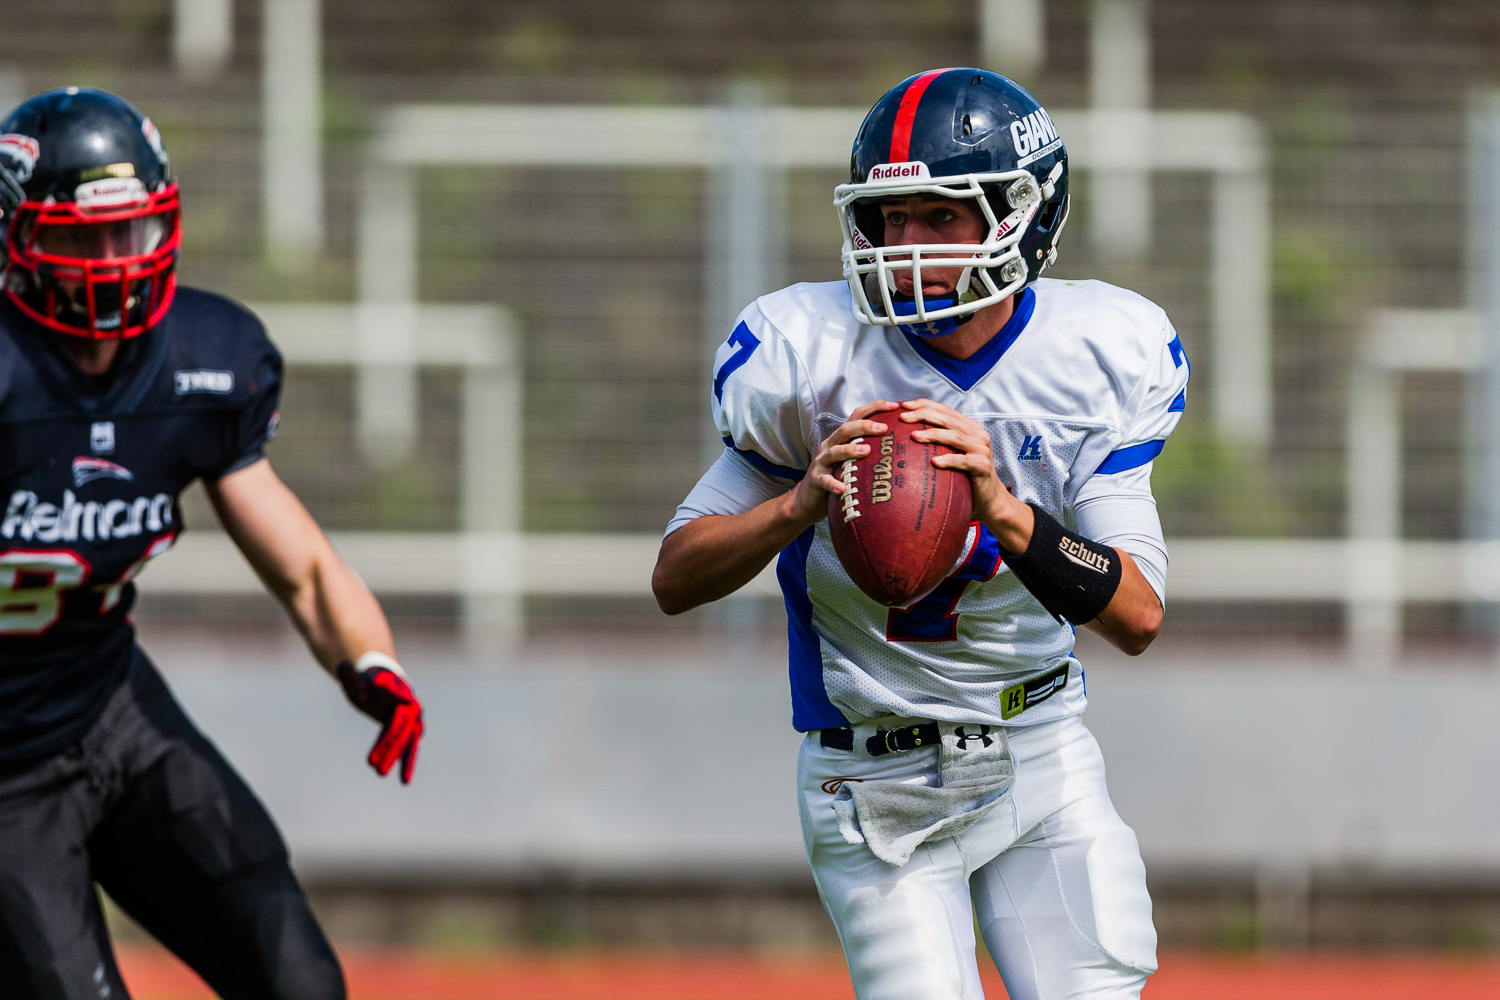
[885, 740]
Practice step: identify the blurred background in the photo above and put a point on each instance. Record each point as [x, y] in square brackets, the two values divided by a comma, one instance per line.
[498, 241]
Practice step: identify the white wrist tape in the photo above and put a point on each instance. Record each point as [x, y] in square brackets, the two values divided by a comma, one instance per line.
[375, 658]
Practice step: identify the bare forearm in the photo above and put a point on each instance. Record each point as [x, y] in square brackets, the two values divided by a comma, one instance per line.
[1133, 616]
[716, 555]
[1132, 619]
[325, 599]
[336, 614]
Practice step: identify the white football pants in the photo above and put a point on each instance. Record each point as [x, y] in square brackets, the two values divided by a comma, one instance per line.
[1053, 876]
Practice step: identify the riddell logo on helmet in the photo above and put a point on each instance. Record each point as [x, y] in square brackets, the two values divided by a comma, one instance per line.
[911, 170]
[111, 192]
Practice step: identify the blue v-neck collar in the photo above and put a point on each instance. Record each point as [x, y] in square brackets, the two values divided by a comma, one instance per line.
[975, 367]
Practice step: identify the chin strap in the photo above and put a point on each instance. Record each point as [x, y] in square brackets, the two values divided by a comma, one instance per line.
[905, 306]
[933, 327]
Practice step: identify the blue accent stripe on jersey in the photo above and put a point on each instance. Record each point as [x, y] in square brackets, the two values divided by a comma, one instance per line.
[1178, 354]
[764, 464]
[1130, 458]
[811, 708]
[975, 367]
[1179, 404]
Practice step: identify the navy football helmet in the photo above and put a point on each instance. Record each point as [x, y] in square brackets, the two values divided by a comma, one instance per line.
[953, 133]
[90, 214]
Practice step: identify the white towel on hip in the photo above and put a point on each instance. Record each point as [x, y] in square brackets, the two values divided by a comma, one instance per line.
[893, 818]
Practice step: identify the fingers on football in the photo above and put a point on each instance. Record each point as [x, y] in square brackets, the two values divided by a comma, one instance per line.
[914, 406]
[832, 456]
[852, 429]
[827, 483]
[960, 440]
[933, 414]
[843, 452]
[874, 406]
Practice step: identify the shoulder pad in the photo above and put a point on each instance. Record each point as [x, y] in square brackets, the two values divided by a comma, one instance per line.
[218, 349]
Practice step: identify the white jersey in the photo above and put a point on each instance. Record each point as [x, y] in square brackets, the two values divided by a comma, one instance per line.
[1079, 392]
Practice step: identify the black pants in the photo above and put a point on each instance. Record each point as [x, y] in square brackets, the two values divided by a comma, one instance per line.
[147, 808]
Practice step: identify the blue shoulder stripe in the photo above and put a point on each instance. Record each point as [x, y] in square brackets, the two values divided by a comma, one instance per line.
[763, 464]
[1133, 457]
[1179, 404]
[1178, 354]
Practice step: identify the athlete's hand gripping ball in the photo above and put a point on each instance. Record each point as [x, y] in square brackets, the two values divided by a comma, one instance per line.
[378, 687]
[810, 495]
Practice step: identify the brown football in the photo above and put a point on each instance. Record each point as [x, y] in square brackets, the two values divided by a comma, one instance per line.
[903, 522]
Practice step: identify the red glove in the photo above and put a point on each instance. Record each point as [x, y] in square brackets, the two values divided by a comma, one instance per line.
[378, 687]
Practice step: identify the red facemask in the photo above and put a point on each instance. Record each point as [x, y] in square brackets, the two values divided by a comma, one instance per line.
[103, 268]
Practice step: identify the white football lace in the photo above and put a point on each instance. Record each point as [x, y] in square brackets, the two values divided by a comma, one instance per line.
[851, 502]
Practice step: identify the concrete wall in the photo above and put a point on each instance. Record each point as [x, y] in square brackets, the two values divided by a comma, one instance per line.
[683, 772]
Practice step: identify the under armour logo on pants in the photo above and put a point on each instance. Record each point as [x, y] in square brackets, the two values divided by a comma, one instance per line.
[983, 736]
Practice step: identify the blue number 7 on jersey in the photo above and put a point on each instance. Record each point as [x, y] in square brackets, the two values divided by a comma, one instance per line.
[746, 343]
[933, 618]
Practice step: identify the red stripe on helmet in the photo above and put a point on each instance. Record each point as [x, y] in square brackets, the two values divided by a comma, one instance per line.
[906, 113]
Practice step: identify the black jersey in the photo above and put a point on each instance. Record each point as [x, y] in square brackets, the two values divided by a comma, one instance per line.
[90, 475]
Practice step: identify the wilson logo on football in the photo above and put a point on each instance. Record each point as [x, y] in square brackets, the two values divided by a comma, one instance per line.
[22, 151]
[910, 171]
[880, 489]
[86, 470]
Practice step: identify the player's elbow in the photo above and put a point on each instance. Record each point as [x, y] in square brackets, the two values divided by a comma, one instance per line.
[671, 596]
[669, 602]
[1135, 632]
[1136, 643]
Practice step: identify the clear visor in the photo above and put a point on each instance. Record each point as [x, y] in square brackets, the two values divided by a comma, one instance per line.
[113, 240]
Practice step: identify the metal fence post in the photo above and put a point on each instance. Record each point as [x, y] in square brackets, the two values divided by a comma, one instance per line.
[202, 36]
[292, 89]
[1241, 306]
[1373, 612]
[1120, 44]
[746, 241]
[491, 499]
[1483, 481]
[386, 394]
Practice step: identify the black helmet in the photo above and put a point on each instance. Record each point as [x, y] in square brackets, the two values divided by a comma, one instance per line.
[953, 133]
[90, 214]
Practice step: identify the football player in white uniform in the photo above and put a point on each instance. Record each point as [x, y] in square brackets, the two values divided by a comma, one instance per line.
[946, 778]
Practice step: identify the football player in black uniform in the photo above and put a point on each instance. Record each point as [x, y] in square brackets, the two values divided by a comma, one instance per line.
[117, 390]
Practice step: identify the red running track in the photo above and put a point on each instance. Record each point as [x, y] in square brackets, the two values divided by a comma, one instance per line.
[413, 975]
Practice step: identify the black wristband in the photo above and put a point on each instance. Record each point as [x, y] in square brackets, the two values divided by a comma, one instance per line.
[1072, 577]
